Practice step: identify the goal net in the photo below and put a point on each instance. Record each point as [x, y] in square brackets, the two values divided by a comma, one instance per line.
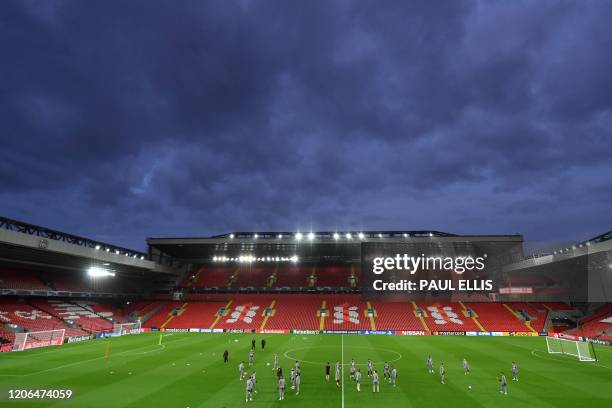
[582, 350]
[119, 329]
[28, 340]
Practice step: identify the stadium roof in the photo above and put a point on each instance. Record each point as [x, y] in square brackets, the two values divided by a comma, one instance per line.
[331, 245]
[39, 247]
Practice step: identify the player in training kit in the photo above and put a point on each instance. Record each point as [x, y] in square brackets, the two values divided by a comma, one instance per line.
[352, 369]
[430, 366]
[253, 344]
[275, 362]
[337, 374]
[279, 372]
[251, 358]
[254, 378]
[263, 344]
[375, 384]
[327, 370]
[249, 390]
[386, 373]
[394, 376]
[514, 371]
[241, 370]
[370, 368]
[281, 388]
[442, 373]
[503, 384]
[292, 378]
[298, 380]
[466, 367]
[225, 356]
[358, 379]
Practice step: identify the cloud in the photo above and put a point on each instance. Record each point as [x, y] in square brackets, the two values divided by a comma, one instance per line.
[121, 121]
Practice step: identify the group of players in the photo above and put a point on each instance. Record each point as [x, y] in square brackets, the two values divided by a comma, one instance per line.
[389, 374]
[503, 382]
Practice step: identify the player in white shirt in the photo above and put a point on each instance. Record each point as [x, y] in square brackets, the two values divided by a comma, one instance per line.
[358, 379]
[393, 376]
[375, 382]
[466, 367]
[352, 369]
[241, 370]
[249, 390]
[370, 368]
[430, 365]
[281, 388]
[292, 378]
[275, 362]
[514, 371]
[337, 374]
[442, 373]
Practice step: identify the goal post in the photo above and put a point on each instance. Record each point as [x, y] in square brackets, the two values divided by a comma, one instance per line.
[119, 329]
[45, 338]
[582, 350]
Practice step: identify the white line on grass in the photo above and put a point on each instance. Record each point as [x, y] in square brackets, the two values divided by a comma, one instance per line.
[342, 340]
[83, 361]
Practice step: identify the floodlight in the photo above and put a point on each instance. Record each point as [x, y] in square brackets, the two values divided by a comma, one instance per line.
[97, 247]
[280, 236]
[311, 236]
[299, 236]
[336, 236]
[379, 235]
[255, 236]
[231, 236]
[96, 272]
[360, 235]
[431, 234]
[142, 257]
[405, 235]
[348, 235]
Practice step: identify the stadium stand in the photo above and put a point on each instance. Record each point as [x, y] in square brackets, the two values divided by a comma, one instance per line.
[31, 318]
[446, 316]
[196, 315]
[293, 276]
[20, 279]
[297, 311]
[347, 313]
[333, 275]
[212, 277]
[497, 317]
[397, 316]
[598, 324]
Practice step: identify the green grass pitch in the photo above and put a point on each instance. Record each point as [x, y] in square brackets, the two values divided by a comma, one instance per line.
[187, 371]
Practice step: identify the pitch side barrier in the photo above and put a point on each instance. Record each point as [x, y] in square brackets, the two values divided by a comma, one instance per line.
[358, 332]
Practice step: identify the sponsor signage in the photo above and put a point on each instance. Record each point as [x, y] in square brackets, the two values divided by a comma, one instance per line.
[273, 331]
[383, 332]
[295, 331]
[412, 333]
[449, 333]
[76, 339]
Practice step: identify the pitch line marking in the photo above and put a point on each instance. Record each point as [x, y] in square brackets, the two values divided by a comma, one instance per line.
[342, 366]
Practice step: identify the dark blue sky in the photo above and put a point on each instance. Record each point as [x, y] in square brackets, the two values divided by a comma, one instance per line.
[121, 120]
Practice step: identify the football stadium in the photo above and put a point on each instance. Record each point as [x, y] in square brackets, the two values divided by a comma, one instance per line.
[217, 321]
[330, 204]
